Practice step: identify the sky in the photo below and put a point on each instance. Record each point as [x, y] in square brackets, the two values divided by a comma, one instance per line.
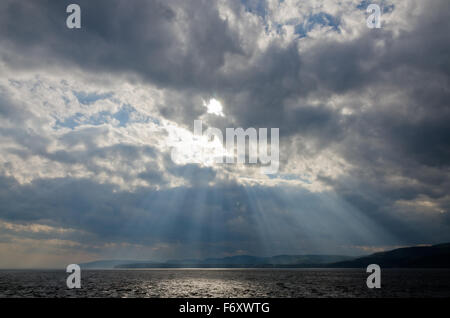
[89, 118]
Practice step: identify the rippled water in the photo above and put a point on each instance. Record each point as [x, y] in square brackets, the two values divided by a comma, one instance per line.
[182, 283]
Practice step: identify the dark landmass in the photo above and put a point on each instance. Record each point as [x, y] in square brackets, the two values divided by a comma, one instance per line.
[437, 256]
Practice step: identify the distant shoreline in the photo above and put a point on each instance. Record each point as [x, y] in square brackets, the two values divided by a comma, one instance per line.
[436, 256]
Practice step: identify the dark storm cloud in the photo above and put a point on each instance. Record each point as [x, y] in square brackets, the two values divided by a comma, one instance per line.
[405, 138]
[141, 38]
[120, 36]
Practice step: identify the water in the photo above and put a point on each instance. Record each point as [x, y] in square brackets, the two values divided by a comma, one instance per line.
[235, 283]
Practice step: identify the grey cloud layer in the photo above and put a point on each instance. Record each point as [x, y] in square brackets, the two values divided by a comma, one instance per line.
[121, 36]
[257, 219]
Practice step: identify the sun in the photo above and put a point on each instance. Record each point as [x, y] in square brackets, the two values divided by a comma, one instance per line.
[214, 107]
